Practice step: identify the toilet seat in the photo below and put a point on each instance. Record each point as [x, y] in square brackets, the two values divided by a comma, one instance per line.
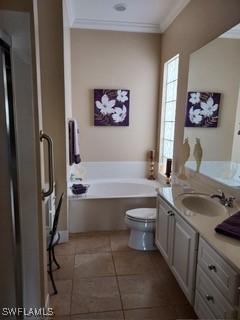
[142, 214]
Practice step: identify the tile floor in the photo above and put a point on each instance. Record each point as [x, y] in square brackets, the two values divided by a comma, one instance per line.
[101, 278]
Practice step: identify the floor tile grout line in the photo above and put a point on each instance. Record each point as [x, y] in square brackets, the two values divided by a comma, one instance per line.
[118, 286]
[94, 312]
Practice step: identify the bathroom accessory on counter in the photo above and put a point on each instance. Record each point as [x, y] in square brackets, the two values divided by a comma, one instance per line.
[168, 170]
[197, 153]
[151, 159]
[230, 227]
[184, 155]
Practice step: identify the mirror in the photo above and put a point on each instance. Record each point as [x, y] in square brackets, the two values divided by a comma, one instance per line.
[213, 109]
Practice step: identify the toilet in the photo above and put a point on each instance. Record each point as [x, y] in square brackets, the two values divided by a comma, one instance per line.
[141, 221]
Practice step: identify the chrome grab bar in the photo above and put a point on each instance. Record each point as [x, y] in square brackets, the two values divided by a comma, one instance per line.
[50, 163]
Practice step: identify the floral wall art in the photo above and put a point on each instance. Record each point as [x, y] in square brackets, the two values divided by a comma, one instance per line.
[111, 107]
[202, 109]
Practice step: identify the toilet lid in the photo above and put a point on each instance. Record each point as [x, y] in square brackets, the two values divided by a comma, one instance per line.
[142, 213]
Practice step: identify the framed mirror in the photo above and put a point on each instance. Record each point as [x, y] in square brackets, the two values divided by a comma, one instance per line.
[212, 125]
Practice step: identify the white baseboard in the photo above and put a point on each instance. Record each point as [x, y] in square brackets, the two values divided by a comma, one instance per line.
[64, 236]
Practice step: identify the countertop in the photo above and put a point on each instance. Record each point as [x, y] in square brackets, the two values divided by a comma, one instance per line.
[228, 248]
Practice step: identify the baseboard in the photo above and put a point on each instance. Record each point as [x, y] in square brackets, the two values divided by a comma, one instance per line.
[64, 236]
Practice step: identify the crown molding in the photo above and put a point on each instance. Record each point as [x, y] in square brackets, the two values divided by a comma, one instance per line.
[116, 25]
[124, 25]
[181, 4]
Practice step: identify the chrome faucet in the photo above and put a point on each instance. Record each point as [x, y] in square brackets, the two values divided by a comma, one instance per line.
[226, 202]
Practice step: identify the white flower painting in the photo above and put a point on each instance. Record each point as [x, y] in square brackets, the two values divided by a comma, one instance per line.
[111, 107]
[202, 109]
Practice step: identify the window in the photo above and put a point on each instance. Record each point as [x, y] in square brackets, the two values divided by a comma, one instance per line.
[169, 98]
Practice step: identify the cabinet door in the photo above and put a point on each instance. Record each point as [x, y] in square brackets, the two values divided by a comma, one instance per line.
[163, 228]
[184, 255]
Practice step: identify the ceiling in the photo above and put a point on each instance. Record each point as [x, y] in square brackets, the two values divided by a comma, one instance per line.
[152, 16]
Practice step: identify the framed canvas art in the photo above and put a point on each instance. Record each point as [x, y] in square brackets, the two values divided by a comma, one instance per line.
[202, 109]
[111, 107]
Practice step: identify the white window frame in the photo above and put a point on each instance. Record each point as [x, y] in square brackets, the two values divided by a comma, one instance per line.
[162, 163]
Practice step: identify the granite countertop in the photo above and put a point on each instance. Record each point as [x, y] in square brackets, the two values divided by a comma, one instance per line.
[228, 247]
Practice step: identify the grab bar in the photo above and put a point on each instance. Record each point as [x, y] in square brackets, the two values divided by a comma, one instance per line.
[50, 163]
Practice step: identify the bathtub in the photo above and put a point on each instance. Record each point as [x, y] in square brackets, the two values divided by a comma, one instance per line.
[225, 172]
[104, 205]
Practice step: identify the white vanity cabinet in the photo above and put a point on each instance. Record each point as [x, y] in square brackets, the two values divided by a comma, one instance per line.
[163, 228]
[217, 294]
[177, 241]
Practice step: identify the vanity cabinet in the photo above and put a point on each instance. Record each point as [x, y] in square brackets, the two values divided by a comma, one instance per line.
[177, 241]
[163, 229]
[217, 285]
[209, 282]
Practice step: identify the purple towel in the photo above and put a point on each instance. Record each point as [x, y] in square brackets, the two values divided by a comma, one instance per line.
[74, 154]
[71, 141]
[230, 227]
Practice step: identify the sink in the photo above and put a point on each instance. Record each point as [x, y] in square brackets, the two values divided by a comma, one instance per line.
[201, 204]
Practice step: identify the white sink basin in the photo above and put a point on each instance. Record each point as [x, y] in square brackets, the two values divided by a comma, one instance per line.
[201, 204]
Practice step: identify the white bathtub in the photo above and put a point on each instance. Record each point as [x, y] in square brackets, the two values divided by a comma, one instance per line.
[104, 205]
[118, 188]
[226, 172]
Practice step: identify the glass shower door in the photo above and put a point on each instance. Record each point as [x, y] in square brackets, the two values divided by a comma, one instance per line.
[10, 242]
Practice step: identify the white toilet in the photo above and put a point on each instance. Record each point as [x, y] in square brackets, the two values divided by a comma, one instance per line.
[141, 221]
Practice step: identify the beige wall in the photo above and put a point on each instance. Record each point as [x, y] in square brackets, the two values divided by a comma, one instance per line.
[52, 81]
[105, 59]
[216, 68]
[200, 22]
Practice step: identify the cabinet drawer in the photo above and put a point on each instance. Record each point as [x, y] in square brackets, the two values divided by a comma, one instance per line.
[219, 271]
[201, 308]
[213, 298]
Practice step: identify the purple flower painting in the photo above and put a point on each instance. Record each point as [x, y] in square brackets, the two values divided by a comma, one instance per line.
[111, 107]
[202, 109]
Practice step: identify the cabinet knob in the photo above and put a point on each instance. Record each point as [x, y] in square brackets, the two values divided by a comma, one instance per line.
[209, 298]
[170, 213]
[212, 267]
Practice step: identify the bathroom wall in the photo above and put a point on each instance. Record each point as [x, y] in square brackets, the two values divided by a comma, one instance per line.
[52, 86]
[200, 22]
[216, 68]
[106, 59]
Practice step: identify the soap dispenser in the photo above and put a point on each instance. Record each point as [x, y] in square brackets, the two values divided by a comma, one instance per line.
[197, 153]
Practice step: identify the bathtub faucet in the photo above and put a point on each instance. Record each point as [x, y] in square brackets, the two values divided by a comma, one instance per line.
[226, 202]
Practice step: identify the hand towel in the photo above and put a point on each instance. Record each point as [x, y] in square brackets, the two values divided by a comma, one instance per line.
[230, 227]
[71, 141]
[77, 158]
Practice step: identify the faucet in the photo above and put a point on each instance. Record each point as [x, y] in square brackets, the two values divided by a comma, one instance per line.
[226, 202]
